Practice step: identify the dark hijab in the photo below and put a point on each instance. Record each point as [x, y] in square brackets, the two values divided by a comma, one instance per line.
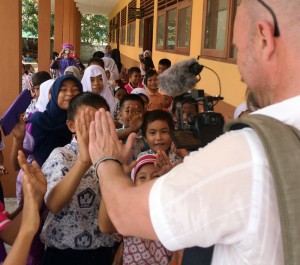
[49, 128]
[115, 54]
[148, 64]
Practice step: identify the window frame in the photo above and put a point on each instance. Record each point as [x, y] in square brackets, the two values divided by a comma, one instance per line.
[226, 55]
[177, 50]
[129, 25]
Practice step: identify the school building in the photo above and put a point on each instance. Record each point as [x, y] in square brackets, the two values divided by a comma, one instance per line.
[173, 29]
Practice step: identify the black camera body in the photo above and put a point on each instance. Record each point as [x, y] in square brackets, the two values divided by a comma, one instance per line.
[201, 128]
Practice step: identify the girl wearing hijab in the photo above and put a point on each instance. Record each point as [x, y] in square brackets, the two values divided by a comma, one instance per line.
[73, 70]
[94, 80]
[49, 128]
[147, 53]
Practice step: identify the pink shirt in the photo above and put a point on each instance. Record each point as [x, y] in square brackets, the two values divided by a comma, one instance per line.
[4, 220]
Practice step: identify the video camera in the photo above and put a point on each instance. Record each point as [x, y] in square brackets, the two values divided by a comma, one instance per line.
[201, 128]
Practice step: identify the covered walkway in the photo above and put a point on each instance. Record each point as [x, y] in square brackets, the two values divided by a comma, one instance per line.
[173, 29]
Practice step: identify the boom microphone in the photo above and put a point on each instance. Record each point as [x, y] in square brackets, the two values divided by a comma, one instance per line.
[180, 77]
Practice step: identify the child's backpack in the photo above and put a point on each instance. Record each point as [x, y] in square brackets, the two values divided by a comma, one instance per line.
[282, 146]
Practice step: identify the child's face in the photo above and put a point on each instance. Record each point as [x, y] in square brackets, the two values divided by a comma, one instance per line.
[120, 94]
[97, 84]
[134, 79]
[67, 91]
[157, 136]
[167, 101]
[145, 174]
[124, 113]
[152, 83]
[161, 69]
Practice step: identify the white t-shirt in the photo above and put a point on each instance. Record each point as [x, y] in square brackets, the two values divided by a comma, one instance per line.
[224, 195]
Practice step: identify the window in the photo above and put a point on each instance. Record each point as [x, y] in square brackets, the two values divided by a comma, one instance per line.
[217, 33]
[131, 34]
[123, 25]
[131, 24]
[141, 33]
[174, 25]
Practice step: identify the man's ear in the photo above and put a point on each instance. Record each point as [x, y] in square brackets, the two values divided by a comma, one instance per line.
[71, 126]
[266, 39]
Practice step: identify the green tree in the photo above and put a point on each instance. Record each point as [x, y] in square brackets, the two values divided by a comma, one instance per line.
[94, 28]
[30, 16]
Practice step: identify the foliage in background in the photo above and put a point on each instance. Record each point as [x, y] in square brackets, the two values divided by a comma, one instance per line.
[93, 27]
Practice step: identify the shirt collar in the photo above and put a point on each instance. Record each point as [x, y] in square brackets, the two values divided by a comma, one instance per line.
[286, 111]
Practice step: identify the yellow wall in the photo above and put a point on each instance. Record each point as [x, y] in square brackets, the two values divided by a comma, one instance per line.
[233, 90]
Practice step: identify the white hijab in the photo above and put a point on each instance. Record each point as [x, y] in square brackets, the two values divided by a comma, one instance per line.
[92, 71]
[111, 65]
[43, 97]
[74, 70]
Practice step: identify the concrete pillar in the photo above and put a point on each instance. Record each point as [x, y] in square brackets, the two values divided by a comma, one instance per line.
[67, 20]
[10, 75]
[58, 25]
[44, 20]
[77, 42]
[72, 22]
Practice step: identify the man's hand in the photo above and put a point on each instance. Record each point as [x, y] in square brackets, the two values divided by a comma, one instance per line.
[104, 140]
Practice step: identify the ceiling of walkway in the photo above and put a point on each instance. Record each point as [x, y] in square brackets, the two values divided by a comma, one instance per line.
[103, 7]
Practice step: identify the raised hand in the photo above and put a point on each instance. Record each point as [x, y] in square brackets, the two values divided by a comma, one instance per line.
[82, 124]
[33, 175]
[104, 140]
[135, 118]
[163, 164]
[18, 131]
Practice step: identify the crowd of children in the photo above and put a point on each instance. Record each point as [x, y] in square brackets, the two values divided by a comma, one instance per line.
[54, 133]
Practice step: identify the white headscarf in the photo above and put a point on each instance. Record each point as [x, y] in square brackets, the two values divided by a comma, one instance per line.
[111, 65]
[43, 97]
[149, 52]
[74, 70]
[92, 71]
[239, 110]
